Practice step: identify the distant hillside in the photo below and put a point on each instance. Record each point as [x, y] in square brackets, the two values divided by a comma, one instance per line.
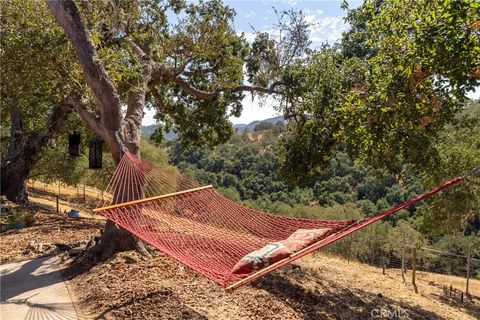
[251, 125]
[148, 130]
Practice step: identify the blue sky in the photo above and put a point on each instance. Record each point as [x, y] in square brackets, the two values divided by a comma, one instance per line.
[326, 15]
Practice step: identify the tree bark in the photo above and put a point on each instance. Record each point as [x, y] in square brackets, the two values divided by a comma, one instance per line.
[24, 152]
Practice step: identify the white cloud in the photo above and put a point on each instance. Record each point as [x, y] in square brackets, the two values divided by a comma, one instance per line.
[326, 29]
[311, 18]
[254, 110]
[323, 29]
[249, 14]
[290, 2]
[250, 36]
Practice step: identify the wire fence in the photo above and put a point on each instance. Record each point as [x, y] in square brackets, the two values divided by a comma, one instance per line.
[64, 198]
[457, 274]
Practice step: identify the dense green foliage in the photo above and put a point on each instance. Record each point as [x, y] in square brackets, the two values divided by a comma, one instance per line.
[246, 169]
[390, 95]
[458, 153]
[387, 90]
[197, 59]
[35, 65]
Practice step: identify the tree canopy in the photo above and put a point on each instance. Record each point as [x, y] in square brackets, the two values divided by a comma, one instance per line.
[37, 77]
[395, 80]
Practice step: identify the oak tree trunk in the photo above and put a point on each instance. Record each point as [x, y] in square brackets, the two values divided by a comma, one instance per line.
[24, 152]
[114, 238]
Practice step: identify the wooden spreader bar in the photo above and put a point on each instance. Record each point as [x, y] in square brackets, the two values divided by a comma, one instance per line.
[124, 204]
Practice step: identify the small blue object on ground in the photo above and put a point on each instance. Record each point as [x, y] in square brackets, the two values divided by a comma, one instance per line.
[74, 214]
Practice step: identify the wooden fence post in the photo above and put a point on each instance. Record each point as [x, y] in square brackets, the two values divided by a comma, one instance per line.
[469, 259]
[58, 206]
[403, 258]
[414, 268]
[384, 263]
[84, 197]
[349, 253]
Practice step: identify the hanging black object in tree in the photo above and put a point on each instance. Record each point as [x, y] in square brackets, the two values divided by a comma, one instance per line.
[95, 146]
[74, 144]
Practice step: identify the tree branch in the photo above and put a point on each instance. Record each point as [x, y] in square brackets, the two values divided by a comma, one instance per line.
[68, 17]
[136, 99]
[90, 118]
[161, 72]
[136, 48]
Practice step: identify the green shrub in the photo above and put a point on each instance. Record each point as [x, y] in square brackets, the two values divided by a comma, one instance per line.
[16, 216]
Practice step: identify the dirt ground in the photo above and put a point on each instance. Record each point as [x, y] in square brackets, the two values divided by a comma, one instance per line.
[317, 287]
[47, 230]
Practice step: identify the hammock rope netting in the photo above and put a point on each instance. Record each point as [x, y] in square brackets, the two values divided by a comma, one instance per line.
[204, 230]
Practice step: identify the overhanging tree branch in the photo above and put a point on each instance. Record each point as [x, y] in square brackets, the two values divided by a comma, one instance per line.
[163, 73]
[90, 118]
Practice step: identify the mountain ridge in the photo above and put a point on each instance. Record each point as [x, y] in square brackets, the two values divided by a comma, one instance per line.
[148, 130]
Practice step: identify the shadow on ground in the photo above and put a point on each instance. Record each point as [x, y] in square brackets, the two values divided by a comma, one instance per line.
[46, 311]
[467, 306]
[23, 280]
[29, 291]
[165, 303]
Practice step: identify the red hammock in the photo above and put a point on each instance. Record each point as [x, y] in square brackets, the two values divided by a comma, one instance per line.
[204, 230]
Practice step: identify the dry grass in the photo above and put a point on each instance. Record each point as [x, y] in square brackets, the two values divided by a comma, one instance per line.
[459, 283]
[44, 195]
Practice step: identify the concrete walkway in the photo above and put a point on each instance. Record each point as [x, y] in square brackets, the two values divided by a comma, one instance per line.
[34, 289]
